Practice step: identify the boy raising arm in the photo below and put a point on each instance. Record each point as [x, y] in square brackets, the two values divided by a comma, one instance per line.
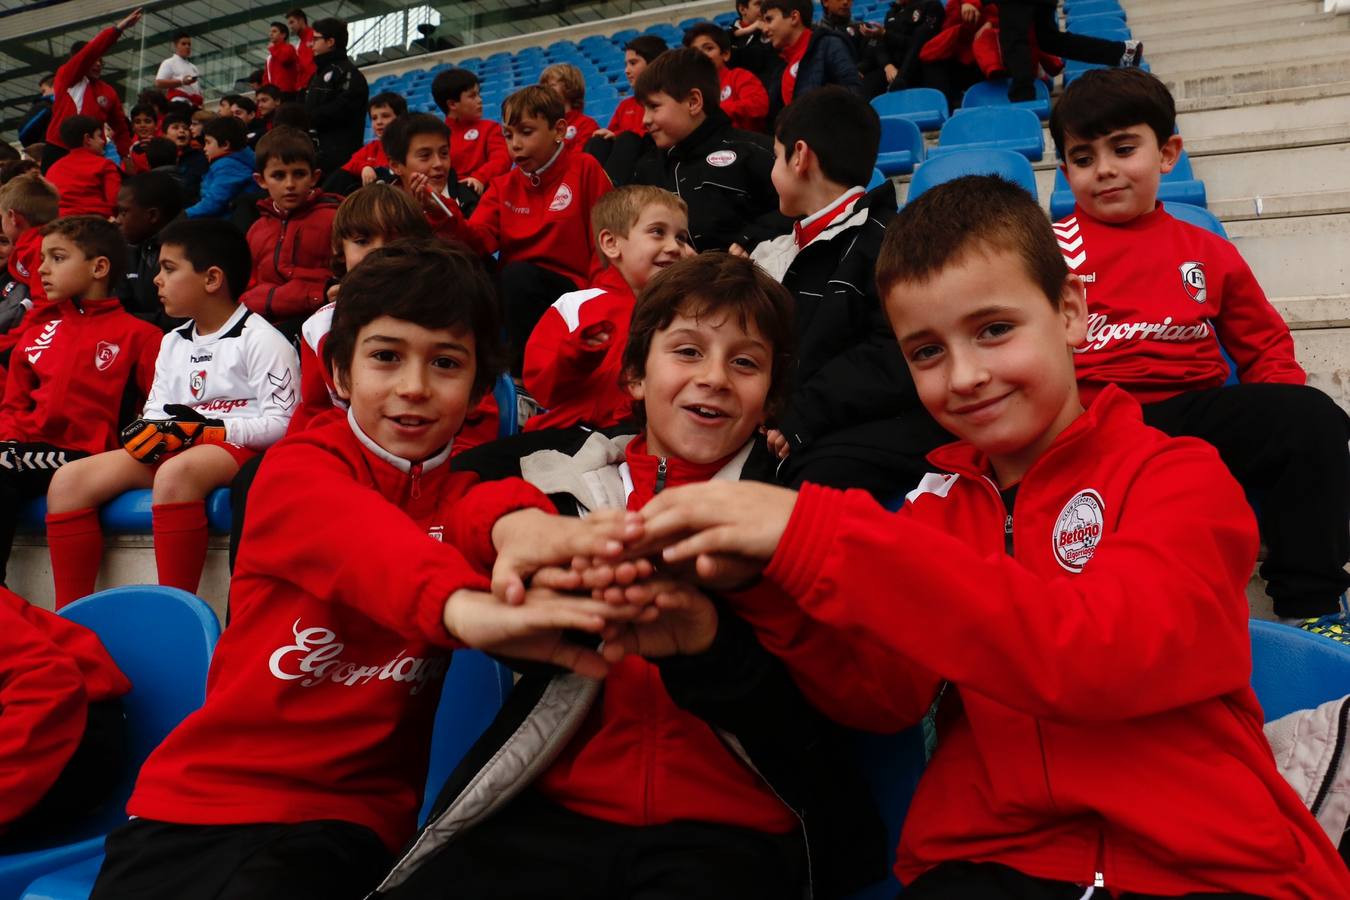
[1099, 564]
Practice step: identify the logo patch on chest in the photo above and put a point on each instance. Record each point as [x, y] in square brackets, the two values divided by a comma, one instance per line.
[562, 199]
[471, 134]
[571, 132]
[721, 158]
[726, 92]
[1078, 530]
[104, 354]
[1193, 280]
[197, 383]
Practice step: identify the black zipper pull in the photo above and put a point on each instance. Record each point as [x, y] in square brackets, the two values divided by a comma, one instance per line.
[660, 475]
[1007, 534]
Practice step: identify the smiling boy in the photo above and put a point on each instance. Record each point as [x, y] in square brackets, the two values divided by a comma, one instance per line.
[1103, 736]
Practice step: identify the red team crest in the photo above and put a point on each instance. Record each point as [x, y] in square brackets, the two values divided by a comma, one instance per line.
[1193, 279]
[562, 199]
[104, 354]
[1078, 530]
[197, 383]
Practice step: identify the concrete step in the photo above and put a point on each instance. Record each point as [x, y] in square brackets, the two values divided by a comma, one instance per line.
[1296, 256]
[1193, 82]
[1290, 123]
[1319, 177]
[1162, 38]
[1139, 9]
[1179, 17]
[1258, 52]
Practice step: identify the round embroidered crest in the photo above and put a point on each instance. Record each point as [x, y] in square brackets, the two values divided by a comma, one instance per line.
[1193, 279]
[197, 383]
[1078, 530]
[102, 101]
[471, 134]
[726, 92]
[21, 268]
[104, 354]
[721, 158]
[562, 199]
[328, 76]
[571, 132]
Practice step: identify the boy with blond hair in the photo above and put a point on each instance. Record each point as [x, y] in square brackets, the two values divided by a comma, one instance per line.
[566, 81]
[572, 360]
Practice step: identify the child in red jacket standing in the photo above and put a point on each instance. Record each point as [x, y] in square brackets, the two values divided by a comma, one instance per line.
[291, 242]
[283, 63]
[75, 374]
[1071, 596]
[573, 360]
[79, 91]
[86, 179]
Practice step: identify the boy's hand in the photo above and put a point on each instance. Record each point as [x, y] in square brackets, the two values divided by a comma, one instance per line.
[602, 133]
[729, 530]
[478, 186]
[597, 335]
[686, 625]
[738, 250]
[969, 13]
[130, 21]
[420, 186]
[529, 539]
[534, 628]
[368, 175]
[777, 443]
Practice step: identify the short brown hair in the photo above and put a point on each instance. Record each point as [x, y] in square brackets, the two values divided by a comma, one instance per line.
[573, 82]
[32, 197]
[535, 100]
[938, 228]
[407, 280]
[376, 209]
[1101, 101]
[285, 144]
[710, 283]
[676, 73]
[618, 210]
[95, 236]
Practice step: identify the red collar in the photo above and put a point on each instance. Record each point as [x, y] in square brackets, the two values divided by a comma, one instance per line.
[806, 230]
[646, 470]
[795, 52]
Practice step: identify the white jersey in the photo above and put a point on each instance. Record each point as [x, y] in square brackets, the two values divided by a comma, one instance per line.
[245, 374]
[177, 67]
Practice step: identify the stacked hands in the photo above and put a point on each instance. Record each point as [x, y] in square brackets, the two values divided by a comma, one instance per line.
[637, 581]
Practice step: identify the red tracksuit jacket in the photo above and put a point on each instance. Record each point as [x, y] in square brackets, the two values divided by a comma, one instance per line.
[304, 58]
[371, 154]
[628, 117]
[743, 98]
[51, 669]
[478, 150]
[1159, 291]
[282, 68]
[24, 259]
[69, 375]
[321, 694]
[580, 127]
[88, 183]
[100, 99]
[575, 382]
[1098, 723]
[548, 223]
[292, 253]
[639, 759]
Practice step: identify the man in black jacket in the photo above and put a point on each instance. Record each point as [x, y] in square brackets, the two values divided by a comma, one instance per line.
[811, 58]
[34, 127]
[336, 96]
[722, 173]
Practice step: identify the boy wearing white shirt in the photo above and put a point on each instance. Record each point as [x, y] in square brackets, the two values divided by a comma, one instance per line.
[178, 78]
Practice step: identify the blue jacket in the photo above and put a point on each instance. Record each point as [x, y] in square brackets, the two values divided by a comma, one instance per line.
[828, 60]
[227, 177]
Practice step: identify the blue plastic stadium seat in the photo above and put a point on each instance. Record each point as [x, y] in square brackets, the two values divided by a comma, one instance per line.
[876, 181]
[162, 639]
[1293, 669]
[925, 107]
[901, 146]
[690, 23]
[891, 764]
[508, 416]
[995, 93]
[1198, 216]
[726, 20]
[130, 513]
[1108, 28]
[992, 128]
[475, 689]
[624, 36]
[937, 169]
[1094, 7]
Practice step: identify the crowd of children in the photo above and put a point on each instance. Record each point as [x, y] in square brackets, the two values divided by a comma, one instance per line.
[736, 358]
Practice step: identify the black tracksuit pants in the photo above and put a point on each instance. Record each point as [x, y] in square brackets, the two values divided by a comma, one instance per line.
[1016, 20]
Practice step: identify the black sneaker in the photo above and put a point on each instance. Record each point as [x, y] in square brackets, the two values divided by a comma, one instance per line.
[1133, 55]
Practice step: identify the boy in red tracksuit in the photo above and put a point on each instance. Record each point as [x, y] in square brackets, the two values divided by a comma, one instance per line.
[1071, 595]
[26, 204]
[79, 91]
[303, 770]
[87, 180]
[61, 722]
[384, 108]
[573, 357]
[1160, 292]
[743, 96]
[283, 63]
[298, 23]
[478, 151]
[76, 372]
[292, 240]
[537, 216]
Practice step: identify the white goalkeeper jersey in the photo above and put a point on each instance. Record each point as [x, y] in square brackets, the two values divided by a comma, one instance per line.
[245, 374]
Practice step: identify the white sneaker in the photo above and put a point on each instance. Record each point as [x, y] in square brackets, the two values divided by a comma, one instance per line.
[1133, 55]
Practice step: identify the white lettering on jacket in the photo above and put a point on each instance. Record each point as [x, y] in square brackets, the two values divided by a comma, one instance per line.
[1101, 332]
[316, 656]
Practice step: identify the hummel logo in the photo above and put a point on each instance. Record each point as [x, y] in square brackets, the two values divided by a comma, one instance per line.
[1069, 240]
[284, 395]
[43, 341]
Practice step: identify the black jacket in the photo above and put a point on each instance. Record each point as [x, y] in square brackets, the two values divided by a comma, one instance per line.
[137, 289]
[35, 122]
[909, 24]
[737, 687]
[336, 102]
[754, 52]
[723, 174]
[828, 60]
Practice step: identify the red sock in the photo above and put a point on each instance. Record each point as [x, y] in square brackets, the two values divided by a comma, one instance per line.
[75, 540]
[180, 543]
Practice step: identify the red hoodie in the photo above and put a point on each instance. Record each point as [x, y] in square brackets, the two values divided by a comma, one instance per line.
[628, 117]
[304, 58]
[99, 100]
[580, 127]
[24, 259]
[371, 154]
[574, 381]
[639, 759]
[321, 694]
[69, 375]
[292, 253]
[88, 183]
[1158, 292]
[478, 150]
[1099, 723]
[282, 68]
[51, 669]
[548, 223]
[743, 98]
